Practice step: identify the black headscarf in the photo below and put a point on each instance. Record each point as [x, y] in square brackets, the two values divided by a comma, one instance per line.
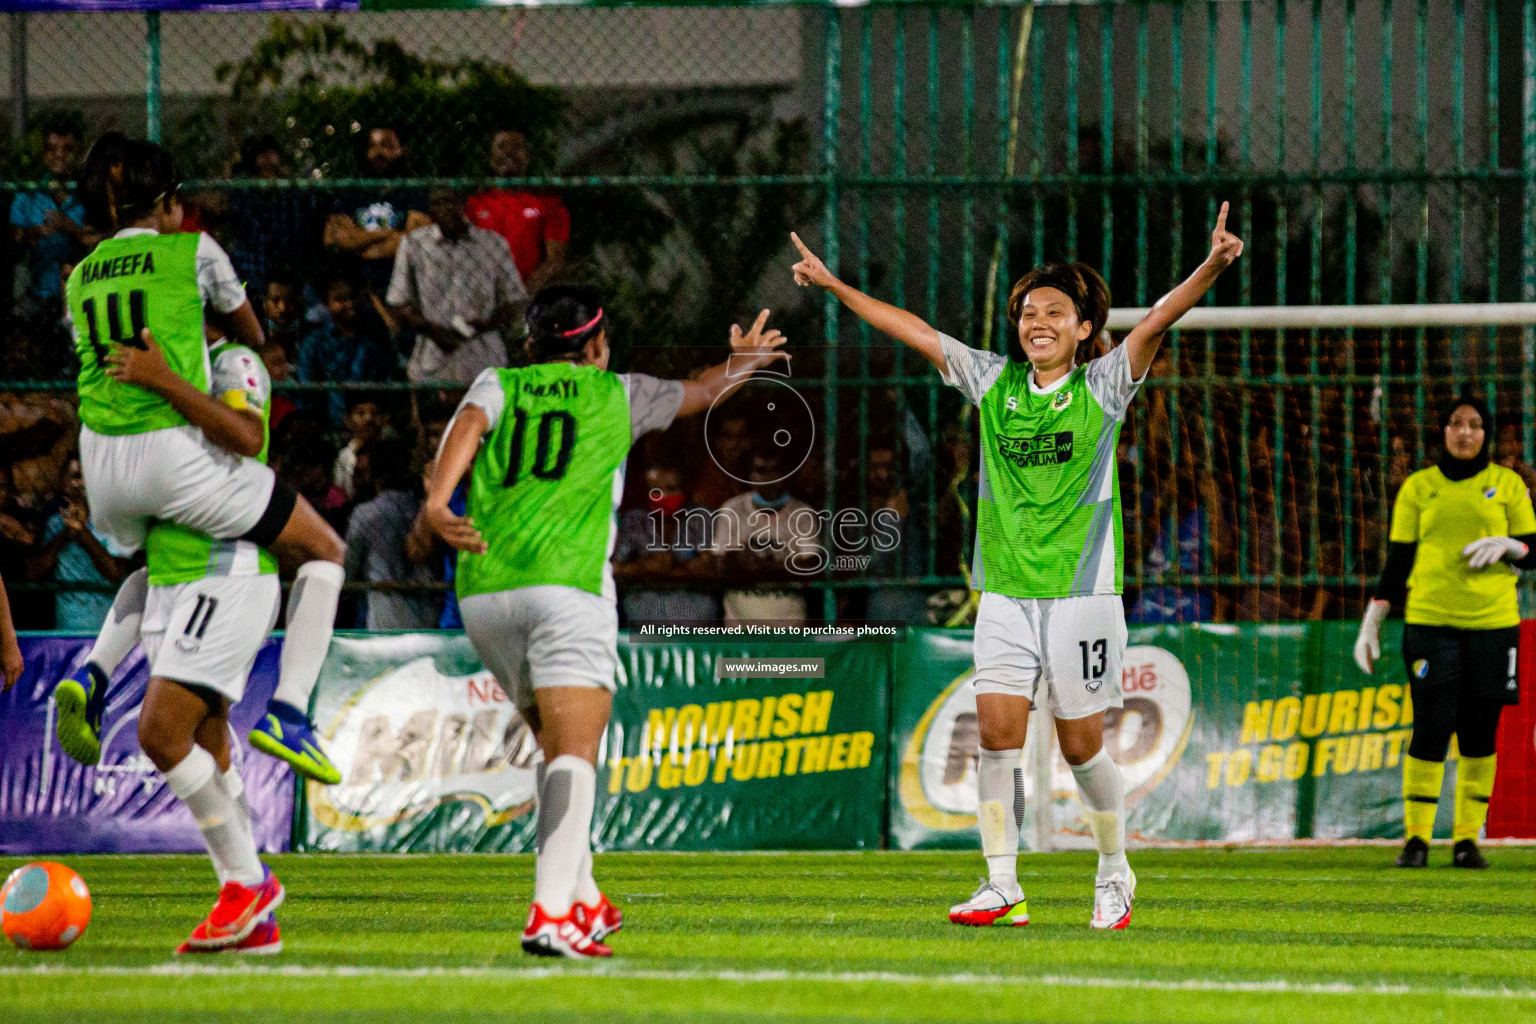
[1462, 469]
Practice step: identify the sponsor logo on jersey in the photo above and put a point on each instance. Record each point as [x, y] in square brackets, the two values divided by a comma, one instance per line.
[1421, 668]
[1041, 450]
[1061, 400]
[1146, 738]
[1489, 492]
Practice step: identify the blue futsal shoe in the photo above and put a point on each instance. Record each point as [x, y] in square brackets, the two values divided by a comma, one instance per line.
[81, 699]
[284, 732]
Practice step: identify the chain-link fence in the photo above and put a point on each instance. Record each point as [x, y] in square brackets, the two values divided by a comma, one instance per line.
[1373, 152]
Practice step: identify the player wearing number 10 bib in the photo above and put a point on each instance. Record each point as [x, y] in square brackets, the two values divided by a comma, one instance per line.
[143, 458]
[1050, 626]
[534, 584]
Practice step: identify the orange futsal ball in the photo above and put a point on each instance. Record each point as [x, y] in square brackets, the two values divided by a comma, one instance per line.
[44, 905]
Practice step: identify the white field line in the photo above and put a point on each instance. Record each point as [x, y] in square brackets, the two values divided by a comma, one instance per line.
[178, 970]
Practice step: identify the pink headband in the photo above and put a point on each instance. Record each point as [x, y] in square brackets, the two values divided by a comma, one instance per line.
[584, 327]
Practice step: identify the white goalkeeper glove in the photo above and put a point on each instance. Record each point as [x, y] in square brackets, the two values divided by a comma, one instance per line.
[1484, 551]
[1368, 643]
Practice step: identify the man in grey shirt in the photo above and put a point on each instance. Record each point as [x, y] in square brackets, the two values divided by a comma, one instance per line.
[457, 287]
[376, 541]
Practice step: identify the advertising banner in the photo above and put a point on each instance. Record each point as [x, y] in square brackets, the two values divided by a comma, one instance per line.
[50, 804]
[1229, 733]
[433, 757]
[1512, 811]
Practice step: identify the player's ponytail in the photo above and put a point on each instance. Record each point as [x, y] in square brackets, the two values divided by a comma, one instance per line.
[101, 182]
[1080, 283]
[561, 320]
[124, 180]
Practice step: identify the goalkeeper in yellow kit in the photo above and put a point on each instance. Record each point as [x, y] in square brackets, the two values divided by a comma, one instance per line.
[1460, 529]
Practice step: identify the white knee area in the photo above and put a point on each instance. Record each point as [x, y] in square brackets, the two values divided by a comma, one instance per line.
[311, 620]
[191, 774]
[565, 832]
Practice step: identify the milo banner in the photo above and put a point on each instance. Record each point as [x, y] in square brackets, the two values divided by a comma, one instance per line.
[1229, 733]
[50, 804]
[700, 754]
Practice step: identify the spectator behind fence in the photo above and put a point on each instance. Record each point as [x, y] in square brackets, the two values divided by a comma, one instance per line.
[667, 541]
[275, 358]
[422, 546]
[73, 552]
[457, 287]
[727, 462]
[1507, 452]
[376, 539]
[895, 549]
[368, 224]
[282, 310]
[350, 344]
[366, 423]
[760, 536]
[20, 528]
[302, 458]
[48, 226]
[264, 223]
[536, 225]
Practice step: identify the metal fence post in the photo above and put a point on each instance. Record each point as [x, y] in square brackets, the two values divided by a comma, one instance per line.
[152, 75]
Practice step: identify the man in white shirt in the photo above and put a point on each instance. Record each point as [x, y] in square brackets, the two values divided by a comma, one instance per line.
[457, 287]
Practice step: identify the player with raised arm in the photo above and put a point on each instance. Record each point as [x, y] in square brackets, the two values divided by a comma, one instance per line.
[143, 458]
[1050, 624]
[534, 582]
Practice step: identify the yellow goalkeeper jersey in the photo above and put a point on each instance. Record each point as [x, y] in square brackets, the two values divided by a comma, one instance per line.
[1443, 516]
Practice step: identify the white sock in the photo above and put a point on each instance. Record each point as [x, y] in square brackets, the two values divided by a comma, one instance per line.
[225, 828]
[1000, 812]
[565, 832]
[1102, 790]
[586, 886]
[311, 620]
[120, 631]
[234, 785]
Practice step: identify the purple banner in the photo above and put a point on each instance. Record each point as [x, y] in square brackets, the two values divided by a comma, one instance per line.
[178, 5]
[51, 804]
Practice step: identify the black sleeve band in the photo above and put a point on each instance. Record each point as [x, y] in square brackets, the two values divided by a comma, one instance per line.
[272, 521]
[1529, 561]
[1393, 585]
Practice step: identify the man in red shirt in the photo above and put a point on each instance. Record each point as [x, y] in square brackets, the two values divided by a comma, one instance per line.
[536, 225]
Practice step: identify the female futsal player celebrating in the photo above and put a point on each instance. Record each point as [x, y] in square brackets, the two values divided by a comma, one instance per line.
[1048, 554]
[1459, 530]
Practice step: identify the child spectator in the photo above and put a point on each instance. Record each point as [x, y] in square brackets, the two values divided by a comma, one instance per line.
[350, 345]
[366, 423]
[282, 306]
[376, 539]
[275, 358]
[74, 552]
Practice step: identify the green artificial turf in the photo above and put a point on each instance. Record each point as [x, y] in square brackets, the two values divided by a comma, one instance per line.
[1316, 935]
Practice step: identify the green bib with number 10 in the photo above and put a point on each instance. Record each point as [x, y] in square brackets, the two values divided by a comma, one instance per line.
[124, 286]
[542, 489]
